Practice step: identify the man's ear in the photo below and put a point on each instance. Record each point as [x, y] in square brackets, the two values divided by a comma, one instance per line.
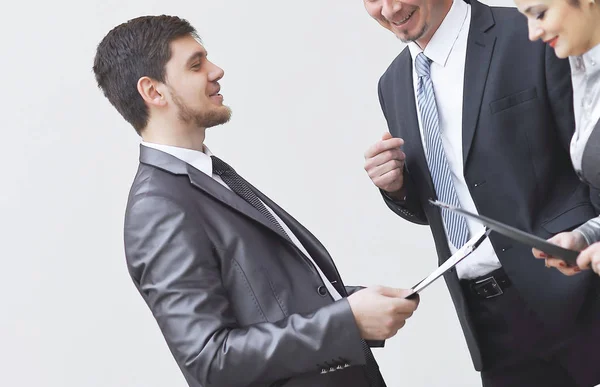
[150, 92]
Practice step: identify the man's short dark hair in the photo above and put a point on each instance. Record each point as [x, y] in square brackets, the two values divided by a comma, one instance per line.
[137, 48]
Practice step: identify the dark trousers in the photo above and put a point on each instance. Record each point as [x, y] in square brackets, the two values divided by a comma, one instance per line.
[519, 351]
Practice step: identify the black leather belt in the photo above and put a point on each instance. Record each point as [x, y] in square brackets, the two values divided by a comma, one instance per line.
[488, 286]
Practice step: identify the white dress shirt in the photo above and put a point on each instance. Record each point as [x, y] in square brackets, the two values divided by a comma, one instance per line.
[585, 75]
[202, 162]
[447, 50]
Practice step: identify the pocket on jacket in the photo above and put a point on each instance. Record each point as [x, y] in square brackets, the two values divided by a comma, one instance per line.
[513, 100]
[570, 219]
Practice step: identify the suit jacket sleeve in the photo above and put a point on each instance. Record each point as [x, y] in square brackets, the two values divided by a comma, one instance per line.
[172, 261]
[410, 207]
[560, 92]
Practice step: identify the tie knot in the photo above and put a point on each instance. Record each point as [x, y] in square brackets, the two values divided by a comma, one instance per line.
[422, 65]
[220, 167]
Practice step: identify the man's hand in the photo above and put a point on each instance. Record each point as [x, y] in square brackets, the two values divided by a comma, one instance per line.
[384, 163]
[380, 311]
[590, 257]
[571, 240]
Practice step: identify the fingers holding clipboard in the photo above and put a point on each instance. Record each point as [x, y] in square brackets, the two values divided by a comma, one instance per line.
[569, 256]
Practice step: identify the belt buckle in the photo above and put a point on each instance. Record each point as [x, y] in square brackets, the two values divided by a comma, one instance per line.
[488, 288]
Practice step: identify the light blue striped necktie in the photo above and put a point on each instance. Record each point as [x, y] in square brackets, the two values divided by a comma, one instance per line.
[456, 226]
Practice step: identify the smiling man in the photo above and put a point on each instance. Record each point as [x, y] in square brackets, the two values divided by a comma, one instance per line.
[243, 294]
[480, 117]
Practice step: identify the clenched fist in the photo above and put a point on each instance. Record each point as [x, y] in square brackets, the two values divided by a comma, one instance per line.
[384, 163]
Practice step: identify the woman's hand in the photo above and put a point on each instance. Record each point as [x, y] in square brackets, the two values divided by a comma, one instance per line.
[590, 258]
[571, 240]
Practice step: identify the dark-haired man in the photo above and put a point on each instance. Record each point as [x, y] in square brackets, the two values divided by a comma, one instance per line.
[243, 293]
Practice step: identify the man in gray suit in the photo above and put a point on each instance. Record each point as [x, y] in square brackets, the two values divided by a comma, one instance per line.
[481, 117]
[243, 294]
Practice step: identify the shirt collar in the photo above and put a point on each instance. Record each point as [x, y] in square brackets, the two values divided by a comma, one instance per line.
[199, 160]
[588, 63]
[592, 59]
[440, 46]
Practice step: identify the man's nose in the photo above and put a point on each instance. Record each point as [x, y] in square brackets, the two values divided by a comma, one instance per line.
[216, 73]
[389, 8]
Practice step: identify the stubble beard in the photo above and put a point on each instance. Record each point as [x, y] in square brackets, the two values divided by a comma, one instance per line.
[415, 37]
[217, 115]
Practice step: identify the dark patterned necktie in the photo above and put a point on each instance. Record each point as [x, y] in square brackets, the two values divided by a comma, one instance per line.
[241, 187]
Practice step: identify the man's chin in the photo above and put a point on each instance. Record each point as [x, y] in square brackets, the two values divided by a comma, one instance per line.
[219, 116]
[411, 36]
[405, 38]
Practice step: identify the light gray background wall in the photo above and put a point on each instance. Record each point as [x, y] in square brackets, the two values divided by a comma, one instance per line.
[301, 79]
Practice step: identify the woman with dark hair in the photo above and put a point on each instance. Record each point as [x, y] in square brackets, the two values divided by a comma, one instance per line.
[572, 28]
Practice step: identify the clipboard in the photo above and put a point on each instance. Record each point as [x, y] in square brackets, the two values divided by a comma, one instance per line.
[569, 256]
[458, 256]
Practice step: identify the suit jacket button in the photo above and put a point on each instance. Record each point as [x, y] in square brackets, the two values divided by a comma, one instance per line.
[322, 290]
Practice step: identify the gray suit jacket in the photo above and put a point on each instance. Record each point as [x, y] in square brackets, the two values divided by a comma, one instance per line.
[237, 303]
[517, 125]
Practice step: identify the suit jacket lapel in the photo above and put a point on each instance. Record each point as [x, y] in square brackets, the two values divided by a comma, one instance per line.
[312, 245]
[230, 198]
[205, 183]
[480, 46]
